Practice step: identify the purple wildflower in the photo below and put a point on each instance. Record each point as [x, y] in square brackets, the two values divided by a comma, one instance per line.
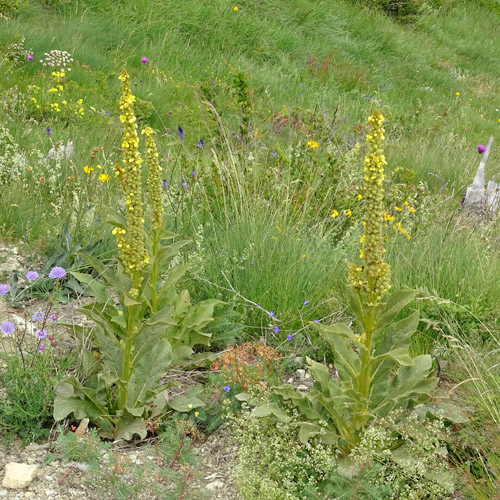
[144, 60]
[271, 314]
[481, 148]
[41, 334]
[226, 388]
[41, 348]
[164, 184]
[194, 173]
[274, 153]
[29, 57]
[316, 320]
[57, 273]
[276, 329]
[184, 185]
[181, 132]
[38, 316]
[53, 317]
[306, 302]
[4, 289]
[7, 327]
[31, 275]
[289, 336]
[48, 130]
[200, 144]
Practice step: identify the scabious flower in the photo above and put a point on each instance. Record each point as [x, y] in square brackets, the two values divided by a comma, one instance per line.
[38, 316]
[41, 348]
[41, 334]
[31, 275]
[7, 327]
[4, 289]
[481, 148]
[306, 302]
[374, 276]
[53, 317]
[271, 314]
[289, 336]
[57, 273]
[130, 241]
[226, 388]
[154, 179]
[276, 329]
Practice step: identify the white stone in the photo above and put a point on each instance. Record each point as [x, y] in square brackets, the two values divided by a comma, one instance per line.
[18, 476]
[302, 388]
[29, 494]
[3, 493]
[301, 373]
[215, 485]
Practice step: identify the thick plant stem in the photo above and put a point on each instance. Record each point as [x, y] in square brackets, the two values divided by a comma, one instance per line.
[127, 353]
[155, 272]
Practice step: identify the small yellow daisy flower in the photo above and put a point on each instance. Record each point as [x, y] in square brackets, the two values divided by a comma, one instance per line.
[334, 214]
[235, 8]
[312, 144]
[88, 169]
[103, 178]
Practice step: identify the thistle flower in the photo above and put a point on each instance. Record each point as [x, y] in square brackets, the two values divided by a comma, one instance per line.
[154, 179]
[481, 148]
[38, 316]
[144, 60]
[57, 273]
[7, 327]
[130, 241]
[374, 276]
[31, 275]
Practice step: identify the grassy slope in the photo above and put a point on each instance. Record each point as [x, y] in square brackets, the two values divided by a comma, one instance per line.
[412, 73]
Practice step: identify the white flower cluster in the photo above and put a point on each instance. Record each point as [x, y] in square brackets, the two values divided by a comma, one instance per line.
[57, 59]
[13, 163]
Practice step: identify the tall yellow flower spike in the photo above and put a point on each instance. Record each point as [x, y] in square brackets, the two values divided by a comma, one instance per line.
[154, 179]
[374, 277]
[131, 241]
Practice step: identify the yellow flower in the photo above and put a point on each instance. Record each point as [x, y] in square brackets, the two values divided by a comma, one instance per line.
[236, 8]
[348, 212]
[334, 214]
[312, 144]
[457, 93]
[88, 169]
[103, 178]
[196, 413]
[360, 196]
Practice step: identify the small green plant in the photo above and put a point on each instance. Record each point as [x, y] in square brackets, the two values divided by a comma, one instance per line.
[32, 363]
[151, 327]
[375, 370]
[163, 472]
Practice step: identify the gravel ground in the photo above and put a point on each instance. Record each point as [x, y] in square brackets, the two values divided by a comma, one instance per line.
[61, 480]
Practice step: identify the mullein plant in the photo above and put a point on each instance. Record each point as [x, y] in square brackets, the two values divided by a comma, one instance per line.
[376, 373]
[150, 327]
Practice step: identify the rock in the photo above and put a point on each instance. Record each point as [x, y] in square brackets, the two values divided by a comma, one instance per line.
[30, 460]
[3, 493]
[18, 476]
[301, 373]
[307, 376]
[29, 494]
[290, 380]
[298, 360]
[302, 388]
[215, 485]
[50, 493]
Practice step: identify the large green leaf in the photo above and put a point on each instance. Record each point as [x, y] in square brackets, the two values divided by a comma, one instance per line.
[111, 351]
[337, 329]
[400, 355]
[393, 306]
[127, 427]
[184, 403]
[398, 334]
[148, 371]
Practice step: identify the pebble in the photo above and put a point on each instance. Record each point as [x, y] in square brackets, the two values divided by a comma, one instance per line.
[49, 492]
[215, 485]
[290, 380]
[3, 493]
[29, 494]
[301, 373]
[302, 388]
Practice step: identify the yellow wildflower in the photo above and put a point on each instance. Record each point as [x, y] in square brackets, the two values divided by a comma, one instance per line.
[334, 214]
[312, 144]
[103, 178]
[236, 8]
[348, 212]
[88, 169]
